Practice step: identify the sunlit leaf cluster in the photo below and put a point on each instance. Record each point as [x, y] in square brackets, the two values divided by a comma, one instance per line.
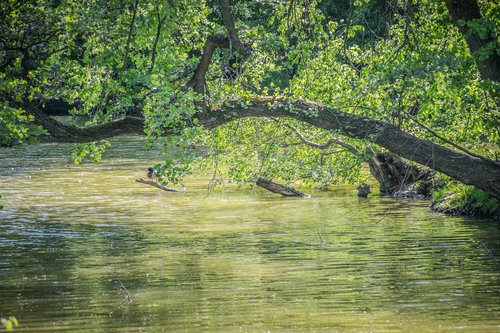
[93, 150]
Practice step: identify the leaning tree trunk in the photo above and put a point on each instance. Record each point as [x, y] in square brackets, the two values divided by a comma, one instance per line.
[467, 12]
[464, 168]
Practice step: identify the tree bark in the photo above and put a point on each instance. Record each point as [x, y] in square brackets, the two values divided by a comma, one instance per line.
[197, 82]
[393, 174]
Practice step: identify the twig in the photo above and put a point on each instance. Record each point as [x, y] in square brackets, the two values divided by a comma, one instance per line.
[320, 238]
[127, 296]
[386, 214]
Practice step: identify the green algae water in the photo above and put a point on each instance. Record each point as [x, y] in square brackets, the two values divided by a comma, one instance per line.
[84, 248]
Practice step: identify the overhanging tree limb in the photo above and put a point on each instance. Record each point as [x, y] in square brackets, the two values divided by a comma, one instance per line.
[59, 132]
[464, 168]
[391, 172]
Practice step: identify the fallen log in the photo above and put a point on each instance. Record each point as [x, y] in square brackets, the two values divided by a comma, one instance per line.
[164, 188]
[286, 191]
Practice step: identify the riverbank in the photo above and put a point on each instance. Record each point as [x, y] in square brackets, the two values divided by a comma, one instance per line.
[459, 199]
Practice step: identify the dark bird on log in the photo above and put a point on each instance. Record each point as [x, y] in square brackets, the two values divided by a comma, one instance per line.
[151, 174]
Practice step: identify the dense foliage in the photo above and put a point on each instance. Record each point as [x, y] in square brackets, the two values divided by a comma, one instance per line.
[400, 61]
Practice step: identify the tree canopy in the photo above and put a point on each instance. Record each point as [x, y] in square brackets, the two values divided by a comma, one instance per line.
[287, 89]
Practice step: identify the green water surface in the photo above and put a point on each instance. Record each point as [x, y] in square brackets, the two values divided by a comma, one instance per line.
[87, 249]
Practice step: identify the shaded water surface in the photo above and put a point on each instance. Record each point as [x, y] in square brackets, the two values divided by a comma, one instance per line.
[85, 248]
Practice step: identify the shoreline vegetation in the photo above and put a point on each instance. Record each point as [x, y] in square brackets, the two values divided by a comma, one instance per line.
[459, 199]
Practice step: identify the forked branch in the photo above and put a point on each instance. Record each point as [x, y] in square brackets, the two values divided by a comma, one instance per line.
[232, 42]
[235, 43]
[330, 142]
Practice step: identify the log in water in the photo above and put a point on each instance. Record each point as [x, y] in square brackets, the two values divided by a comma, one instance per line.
[160, 186]
[284, 190]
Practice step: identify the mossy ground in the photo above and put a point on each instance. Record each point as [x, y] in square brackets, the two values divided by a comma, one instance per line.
[459, 199]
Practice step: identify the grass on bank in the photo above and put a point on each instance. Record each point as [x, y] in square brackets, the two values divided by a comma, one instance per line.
[459, 199]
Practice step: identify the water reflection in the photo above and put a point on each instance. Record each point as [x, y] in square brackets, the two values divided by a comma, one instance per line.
[76, 240]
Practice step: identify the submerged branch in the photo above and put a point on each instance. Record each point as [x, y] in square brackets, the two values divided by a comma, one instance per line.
[286, 191]
[161, 187]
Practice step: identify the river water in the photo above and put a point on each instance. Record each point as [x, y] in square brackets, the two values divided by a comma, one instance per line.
[85, 248]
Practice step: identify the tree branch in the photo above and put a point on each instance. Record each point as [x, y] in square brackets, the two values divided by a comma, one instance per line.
[161, 20]
[59, 132]
[284, 190]
[197, 82]
[235, 43]
[160, 186]
[129, 37]
[330, 141]
[453, 144]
